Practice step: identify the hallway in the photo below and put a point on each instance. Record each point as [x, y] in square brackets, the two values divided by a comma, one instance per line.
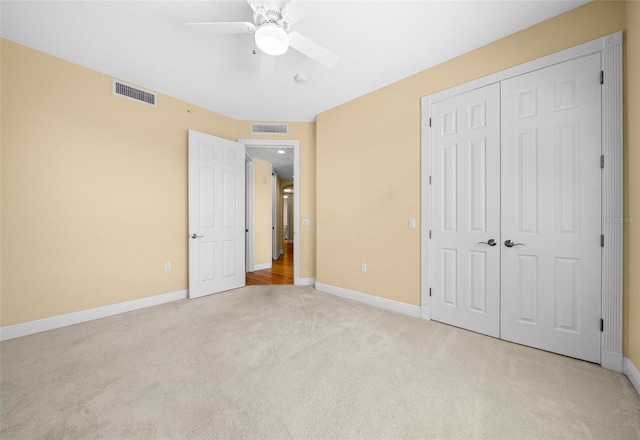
[281, 271]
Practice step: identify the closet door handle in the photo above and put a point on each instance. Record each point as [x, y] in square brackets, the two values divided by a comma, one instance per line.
[490, 242]
[196, 236]
[510, 243]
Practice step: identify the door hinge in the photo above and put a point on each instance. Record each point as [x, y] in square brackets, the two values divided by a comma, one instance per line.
[429, 180]
[429, 122]
[602, 161]
[602, 240]
[429, 291]
[601, 325]
[602, 77]
[429, 233]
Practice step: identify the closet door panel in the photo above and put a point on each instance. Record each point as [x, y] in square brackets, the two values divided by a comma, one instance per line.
[551, 208]
[465, 176]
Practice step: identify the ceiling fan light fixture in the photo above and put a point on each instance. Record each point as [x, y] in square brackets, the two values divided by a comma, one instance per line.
[271, 39]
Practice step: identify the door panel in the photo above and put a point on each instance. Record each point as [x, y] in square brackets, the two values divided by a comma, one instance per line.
[216, 214]
[465, 192]
[551, 180]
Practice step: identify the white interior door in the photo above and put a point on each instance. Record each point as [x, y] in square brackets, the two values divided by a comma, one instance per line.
[465, 200]
[216, 214]
[551, 184]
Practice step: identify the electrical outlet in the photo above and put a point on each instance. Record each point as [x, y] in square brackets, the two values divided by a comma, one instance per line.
[167, 267]
[363, 267]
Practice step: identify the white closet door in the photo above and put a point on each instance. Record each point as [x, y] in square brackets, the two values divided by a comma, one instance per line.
[551, 208]
[465, 176]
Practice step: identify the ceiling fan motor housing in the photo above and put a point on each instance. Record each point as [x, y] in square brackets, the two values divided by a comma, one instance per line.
[271, 39]
[270, 15]
[271, 32]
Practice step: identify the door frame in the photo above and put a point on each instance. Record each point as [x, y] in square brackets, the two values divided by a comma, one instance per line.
[610, 49]
[275, 249]
[295, 144]
[248, 224]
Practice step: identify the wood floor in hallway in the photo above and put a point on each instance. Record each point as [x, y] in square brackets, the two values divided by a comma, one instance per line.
[281, 271]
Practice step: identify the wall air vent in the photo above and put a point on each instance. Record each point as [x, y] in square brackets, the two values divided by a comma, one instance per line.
[134, 93]
[269, 128]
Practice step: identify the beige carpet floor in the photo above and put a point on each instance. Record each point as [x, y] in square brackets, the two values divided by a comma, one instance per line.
[284, 362]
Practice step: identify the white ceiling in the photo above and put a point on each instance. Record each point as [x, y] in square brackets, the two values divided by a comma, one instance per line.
[379, 42]
[282, 162]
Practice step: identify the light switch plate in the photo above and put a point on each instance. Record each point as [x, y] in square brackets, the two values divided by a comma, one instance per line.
[412, 223]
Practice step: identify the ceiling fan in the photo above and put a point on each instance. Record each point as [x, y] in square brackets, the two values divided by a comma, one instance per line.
[272, 36]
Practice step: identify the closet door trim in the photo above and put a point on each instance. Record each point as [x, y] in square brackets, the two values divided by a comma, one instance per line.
[610, 48]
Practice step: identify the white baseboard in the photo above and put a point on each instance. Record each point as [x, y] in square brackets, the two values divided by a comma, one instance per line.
[280, 252]
[306, 282]
[41, 325]
[632, 373]
[612, 361]
[262, 266]
[425, 313]
[371, 300]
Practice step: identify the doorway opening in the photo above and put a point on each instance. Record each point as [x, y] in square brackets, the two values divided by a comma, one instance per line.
[273, 250]
[281, 270]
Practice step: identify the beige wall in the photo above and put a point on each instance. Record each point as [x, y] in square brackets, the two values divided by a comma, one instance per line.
[288, 220]
[291, 207]
[278, 216]
[631, 335]
[94, 188]
[368, 150]
[281, 208]
[305, 132]
[261, 213]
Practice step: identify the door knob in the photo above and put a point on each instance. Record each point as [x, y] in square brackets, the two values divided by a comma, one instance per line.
[509, 243]
[196, 236]
[490, 242]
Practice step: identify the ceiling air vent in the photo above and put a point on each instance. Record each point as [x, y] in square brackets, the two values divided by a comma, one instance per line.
[269, 128]
[135, 93]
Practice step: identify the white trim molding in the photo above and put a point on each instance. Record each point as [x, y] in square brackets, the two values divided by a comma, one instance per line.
[248, 216]
[295, 144]
[425, 218]
[263, 266]
[610, 50]
[372, 300]
[632, 373]
[306, 282]
[41, 325]
[611, 360]
[612, 204]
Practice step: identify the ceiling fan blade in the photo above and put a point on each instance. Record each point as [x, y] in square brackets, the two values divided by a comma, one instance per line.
[267, 65]
[228, 27]
[255, 4]
[312, 49]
